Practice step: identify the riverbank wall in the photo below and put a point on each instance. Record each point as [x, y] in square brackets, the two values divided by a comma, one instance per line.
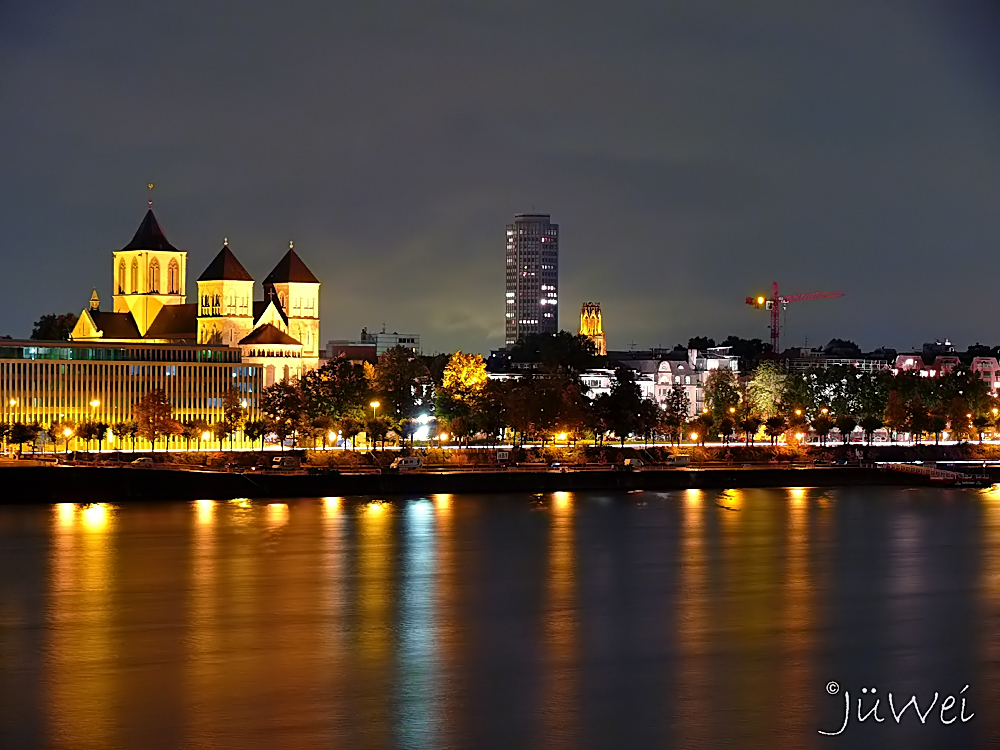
[48, 484]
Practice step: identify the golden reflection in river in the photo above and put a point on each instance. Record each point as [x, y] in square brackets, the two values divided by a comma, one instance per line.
[693, 700]
[559, 693]
[331, 507]
[376, 554]
[796, 618]
[80, 654]
[277, 515]
[989, 607]
[203, 622]
[750, 576]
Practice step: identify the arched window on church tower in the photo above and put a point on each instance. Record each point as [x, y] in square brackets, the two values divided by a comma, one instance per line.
[154, 276]
[121, 277]
[135, 276]
[173, 278]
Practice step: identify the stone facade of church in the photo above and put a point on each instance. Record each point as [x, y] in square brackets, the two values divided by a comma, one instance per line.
[279, 333]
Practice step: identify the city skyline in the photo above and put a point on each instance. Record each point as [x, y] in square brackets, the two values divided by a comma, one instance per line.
[857, 153]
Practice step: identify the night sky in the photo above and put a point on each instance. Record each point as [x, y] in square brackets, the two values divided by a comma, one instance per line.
[692, 152]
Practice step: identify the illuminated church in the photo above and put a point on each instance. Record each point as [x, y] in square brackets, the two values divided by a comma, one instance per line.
[279, 334]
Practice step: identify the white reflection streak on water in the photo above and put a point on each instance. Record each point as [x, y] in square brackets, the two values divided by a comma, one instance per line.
[417, 722]
[81, 671]
[905, 584]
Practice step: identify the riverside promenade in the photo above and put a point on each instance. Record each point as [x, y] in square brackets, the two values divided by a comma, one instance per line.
[23, 484]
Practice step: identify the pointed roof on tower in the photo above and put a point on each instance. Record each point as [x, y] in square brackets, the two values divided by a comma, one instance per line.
[225, 267]
[149, 236]
[291, 269]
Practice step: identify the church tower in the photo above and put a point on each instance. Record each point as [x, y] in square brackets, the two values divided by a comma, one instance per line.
[225, 300]
[292, 285]
[149, 273]
[592, 326]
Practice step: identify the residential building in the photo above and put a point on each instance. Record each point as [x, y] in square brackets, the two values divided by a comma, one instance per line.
[659, 371]
[928, 365]
[532, 277]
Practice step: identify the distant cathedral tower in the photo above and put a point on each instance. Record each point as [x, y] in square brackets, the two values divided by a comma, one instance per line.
[592, 326]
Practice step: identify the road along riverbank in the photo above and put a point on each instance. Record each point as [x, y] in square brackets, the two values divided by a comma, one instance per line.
[47, 484]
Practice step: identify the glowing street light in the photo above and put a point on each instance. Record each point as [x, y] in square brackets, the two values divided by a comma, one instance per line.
[95, 403]
[694, 435]
[798, 412]
[374, 405]
[206, 435]
[67, 433]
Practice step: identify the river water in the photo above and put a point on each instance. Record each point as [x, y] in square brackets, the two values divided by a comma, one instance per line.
[566, 620]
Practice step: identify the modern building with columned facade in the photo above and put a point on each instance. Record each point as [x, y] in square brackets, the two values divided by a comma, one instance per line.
[54, 381]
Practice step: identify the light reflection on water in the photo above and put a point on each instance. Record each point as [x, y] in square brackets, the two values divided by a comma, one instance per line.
[697, 618]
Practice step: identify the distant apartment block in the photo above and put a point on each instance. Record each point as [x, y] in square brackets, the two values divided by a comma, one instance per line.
[370, 346]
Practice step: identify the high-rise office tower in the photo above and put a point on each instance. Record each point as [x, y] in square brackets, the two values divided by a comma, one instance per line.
[532, 304]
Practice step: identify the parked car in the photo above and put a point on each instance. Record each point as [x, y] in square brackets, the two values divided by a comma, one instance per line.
[407, 463]
[143, 462]
[286, 463]
[677, 461]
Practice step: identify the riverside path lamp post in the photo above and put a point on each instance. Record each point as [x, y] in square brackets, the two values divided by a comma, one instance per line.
[374, 405]
[67, 433]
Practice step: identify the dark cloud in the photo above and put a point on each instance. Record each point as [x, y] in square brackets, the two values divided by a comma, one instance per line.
[691, 152]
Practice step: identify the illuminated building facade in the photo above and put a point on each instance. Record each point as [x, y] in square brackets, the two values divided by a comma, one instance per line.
[592, 326]
[150, 305]
[370, 346]
[49, 382]
[532, 277]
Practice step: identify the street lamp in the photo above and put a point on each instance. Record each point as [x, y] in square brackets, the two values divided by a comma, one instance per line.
[67, 433]
[374, 405]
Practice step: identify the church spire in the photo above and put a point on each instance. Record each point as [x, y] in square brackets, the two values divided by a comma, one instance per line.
[95, 302]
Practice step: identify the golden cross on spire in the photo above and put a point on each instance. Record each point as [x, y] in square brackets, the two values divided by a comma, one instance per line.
[150, 186]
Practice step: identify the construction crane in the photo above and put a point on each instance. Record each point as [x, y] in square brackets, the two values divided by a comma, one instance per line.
[778, 302]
